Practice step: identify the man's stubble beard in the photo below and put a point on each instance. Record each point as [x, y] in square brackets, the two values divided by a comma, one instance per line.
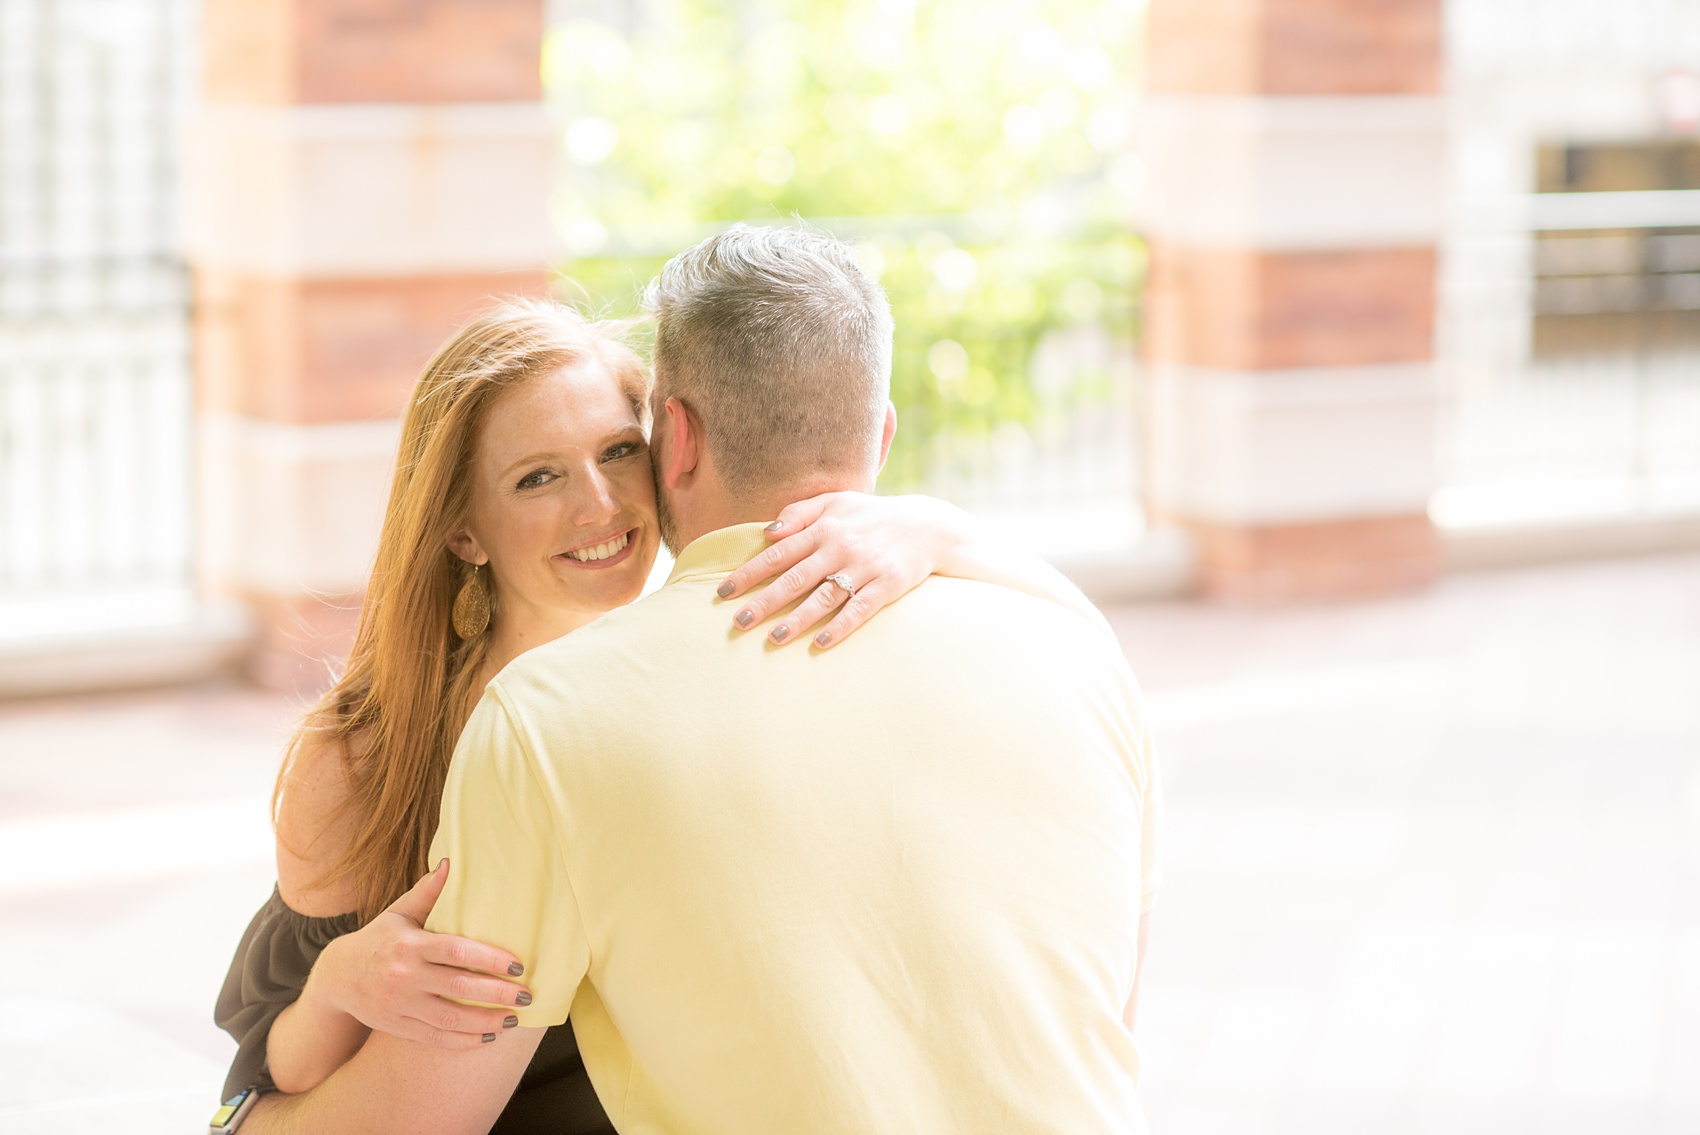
[664, 518]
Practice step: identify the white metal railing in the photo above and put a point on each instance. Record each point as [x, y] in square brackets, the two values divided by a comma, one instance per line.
[1570, 349]
[95, 394]
[1067, 482]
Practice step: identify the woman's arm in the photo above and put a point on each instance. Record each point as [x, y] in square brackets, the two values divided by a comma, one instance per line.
[388, 975]
[311, 1038]
[884, 546]
[392, 976]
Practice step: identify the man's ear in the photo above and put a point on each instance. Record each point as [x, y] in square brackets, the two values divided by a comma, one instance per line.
[465, 545]
[683, 451]
[889, 432]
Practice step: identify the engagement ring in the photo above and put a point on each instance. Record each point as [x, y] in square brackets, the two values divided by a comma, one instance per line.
[843, 581]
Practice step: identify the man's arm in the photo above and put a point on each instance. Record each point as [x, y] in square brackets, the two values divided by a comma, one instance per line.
[1138, 968]
[398, 1087]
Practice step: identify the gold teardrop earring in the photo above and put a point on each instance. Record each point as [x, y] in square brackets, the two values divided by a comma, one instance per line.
[472, 607]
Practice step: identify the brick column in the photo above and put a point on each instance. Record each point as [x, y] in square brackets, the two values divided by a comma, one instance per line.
[1294, 197]
[363, 175]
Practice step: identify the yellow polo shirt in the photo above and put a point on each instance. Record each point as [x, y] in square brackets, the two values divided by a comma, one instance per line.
[892, 887]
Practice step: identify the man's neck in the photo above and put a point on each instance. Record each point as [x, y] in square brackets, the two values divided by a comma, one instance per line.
[707, 516]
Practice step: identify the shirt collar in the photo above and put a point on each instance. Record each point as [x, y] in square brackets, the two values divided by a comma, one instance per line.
[718, 553]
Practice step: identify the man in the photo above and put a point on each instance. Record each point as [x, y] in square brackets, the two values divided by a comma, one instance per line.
[895, 887]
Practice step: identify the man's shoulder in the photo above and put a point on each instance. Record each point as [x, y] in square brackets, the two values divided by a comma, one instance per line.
[681, 632]
[1013, 615]
[956, 618]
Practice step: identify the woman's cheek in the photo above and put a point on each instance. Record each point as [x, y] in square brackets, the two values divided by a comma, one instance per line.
[636, 485]
[537, 523]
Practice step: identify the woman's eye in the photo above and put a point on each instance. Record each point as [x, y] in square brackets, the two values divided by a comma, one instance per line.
[624, 449]
[535, 479]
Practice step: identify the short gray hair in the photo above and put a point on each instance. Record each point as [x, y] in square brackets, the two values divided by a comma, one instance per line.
[781, 343]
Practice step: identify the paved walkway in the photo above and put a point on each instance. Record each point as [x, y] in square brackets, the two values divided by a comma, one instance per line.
[1434, 866]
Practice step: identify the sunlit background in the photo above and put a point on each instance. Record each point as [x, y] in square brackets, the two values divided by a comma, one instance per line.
[1435, 846]
[990, 199]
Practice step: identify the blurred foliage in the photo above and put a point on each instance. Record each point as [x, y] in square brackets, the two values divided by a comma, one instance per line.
[975, 150]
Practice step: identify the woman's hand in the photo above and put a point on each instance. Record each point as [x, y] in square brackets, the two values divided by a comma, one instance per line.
[884, 546]
[393, 976]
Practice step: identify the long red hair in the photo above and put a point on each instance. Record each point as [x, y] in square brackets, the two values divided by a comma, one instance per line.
[411, 682]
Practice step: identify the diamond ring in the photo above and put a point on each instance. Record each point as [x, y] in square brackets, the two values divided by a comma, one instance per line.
[843, 581]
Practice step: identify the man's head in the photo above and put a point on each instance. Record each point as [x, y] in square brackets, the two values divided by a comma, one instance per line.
[772, 376]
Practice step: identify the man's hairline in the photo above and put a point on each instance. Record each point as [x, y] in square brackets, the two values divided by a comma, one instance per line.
[793, 490]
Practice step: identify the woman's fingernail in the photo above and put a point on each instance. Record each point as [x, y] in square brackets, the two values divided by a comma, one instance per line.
[515, 969]
[745, 618]
[822, 639]
[509, 1021]
[724, 590]
[488, 1037]
[774, 527]
[522, 999]
[780, 632]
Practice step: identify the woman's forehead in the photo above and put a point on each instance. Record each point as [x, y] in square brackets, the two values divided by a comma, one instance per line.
[578, 403]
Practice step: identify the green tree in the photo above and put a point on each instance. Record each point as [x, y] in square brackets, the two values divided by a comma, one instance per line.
[974, 149]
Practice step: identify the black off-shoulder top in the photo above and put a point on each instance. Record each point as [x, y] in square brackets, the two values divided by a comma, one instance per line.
[270, 969]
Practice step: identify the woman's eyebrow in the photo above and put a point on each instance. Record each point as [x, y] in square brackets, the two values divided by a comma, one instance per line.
[624, 433]
[529, 459]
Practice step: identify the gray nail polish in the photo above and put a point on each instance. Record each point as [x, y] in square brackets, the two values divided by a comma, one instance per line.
[774, 527]
[780, 632]
[745, 618]
[522, 999]
[724, 590]
[515, 969]
[822, 639]
[488, 1037]
[509, 1021]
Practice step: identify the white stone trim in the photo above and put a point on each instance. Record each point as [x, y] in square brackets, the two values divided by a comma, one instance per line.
[1289, 173]
[1294, 446]
[291, 509]
[296, 442]
[370, 190]
[1643, 209]
[175, 638]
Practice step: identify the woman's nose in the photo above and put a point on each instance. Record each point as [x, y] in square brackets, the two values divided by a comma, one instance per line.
[598, 504]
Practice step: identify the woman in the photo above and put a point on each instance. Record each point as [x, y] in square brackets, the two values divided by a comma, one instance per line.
[523, 507]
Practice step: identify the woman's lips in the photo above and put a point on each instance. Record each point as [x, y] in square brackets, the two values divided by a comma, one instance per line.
[619, 557]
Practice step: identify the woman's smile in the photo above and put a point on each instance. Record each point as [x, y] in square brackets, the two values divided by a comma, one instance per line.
[602, 553]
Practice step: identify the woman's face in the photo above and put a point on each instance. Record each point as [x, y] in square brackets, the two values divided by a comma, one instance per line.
[563, 502]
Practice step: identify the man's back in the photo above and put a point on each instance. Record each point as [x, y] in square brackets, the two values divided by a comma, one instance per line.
[891, 887]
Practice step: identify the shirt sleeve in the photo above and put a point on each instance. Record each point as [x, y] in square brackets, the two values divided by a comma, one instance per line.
[1148, 776]
[266, 976]
[508, 884]
[1151, 831]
